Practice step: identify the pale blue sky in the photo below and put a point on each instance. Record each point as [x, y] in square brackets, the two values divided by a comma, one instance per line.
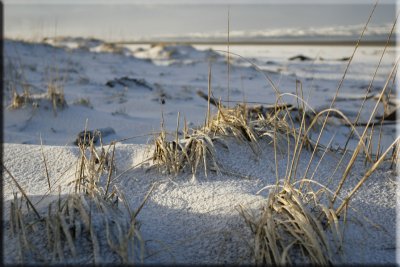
[196, 1]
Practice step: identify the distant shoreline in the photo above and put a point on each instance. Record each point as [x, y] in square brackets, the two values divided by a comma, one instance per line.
[392, 43]
[239, 43]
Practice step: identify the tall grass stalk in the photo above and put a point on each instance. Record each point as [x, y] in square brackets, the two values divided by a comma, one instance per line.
[228, 56]
[373, 79]
[21, 190]
[341, 82]
[366, 176]
[360, 142]
[75, 216]
[45, 162]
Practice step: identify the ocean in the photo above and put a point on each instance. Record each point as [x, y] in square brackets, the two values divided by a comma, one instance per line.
[199, 22]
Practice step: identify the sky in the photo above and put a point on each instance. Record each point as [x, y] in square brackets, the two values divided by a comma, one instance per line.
[196, 1]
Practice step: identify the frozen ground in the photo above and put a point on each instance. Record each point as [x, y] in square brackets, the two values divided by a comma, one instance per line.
[130, 88]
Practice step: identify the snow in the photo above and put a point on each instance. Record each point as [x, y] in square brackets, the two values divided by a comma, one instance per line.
[186, 221]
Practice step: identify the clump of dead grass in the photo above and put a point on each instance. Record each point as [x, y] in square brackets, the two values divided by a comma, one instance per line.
[234, 122]
[85, 102]
[188, 153]
[86, 226]
[72, 231]
[15, 78]
[17, 101]
[55, 93]
[294, 227]
[297, 224]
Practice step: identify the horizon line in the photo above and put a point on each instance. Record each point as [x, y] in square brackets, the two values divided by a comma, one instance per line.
[311, 42]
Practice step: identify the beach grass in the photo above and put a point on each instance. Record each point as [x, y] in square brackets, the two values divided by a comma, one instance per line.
[299, 221]
[16, 78]
[87, 216]
[288, 229]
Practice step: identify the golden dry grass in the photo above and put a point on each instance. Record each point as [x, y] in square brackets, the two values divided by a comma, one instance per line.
[176, 156]
[289, 230]
[297, 225]
[88, 215]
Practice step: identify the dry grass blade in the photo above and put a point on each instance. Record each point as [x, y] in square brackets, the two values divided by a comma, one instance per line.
[25, 244]
[288, 226]
[121, 237]
[92, 164]
[209, 96]
[372, 80]
[67, 234]
[55, 89]
[175, 156]
[395, 156]
[360, 142]
[122, 240]
[108, 236]
[234, 122]
[45, 162]
[263, 73]
[96, 245]
[228, 57]
[340, 86]
[162, 153]
[12, 219]
[17, 101]
[82, 211]
[57, 237]
[366, 176]
[70, 219]
[143, 202]
[333, 222]
[22, 191]
[17, 77]
[110, 171]
[48, 228]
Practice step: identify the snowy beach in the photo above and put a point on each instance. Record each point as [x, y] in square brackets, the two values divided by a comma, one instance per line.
[127, 91]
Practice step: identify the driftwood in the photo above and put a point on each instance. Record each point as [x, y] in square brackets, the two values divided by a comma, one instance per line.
[391, 116]
[129, 82]
[258, 109]
[364, 124]
[213, 100]
[253, 112]
[301, 58]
